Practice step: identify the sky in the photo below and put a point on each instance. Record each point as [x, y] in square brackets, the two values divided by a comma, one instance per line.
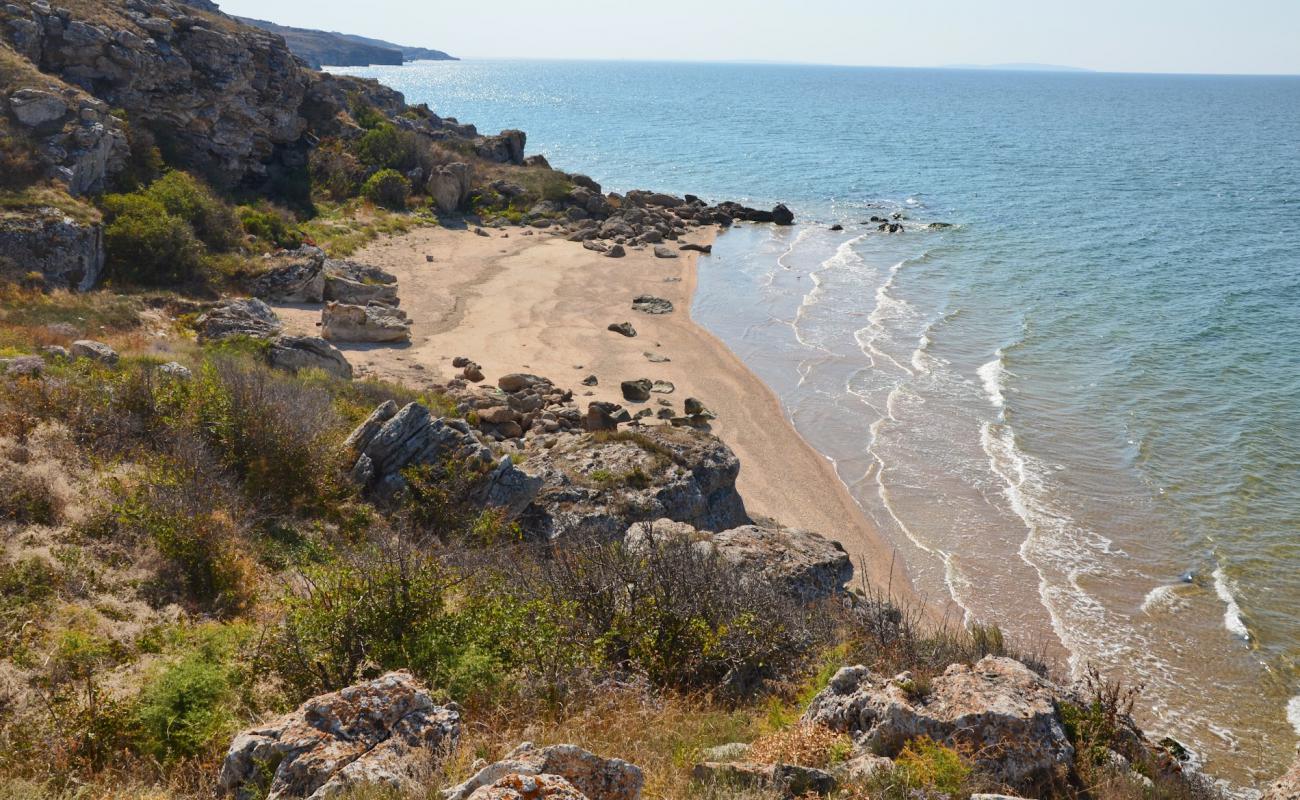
[1201, 36]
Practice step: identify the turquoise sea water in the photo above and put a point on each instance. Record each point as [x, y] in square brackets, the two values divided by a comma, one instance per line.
[1077, 411]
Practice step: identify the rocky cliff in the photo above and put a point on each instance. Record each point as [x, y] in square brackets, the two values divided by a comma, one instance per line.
[326, 48]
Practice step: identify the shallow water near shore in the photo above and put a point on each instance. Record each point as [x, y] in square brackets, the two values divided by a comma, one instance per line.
[1076, 412]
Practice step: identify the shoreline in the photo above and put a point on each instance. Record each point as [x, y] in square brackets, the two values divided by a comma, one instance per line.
[494, 299]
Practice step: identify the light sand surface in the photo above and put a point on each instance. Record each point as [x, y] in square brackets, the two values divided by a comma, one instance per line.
[540, 304]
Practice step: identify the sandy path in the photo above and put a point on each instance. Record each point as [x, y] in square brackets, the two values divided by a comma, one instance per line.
[517, 303]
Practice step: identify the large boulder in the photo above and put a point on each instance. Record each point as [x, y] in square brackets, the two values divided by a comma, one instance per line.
[595, 777]
[999, 710]
[599, 484]
[359, 284]
[386, 733]
[341, 322]
[449, 186]
[296, 276]
[68, 253]
[515, 786]
[506, 147]
[391, 440]
[1287, 787]
[242, 317]
[294, 353]
[807, 565]
[94, 351]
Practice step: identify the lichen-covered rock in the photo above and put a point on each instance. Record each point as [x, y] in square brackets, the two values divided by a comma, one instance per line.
[294, 353]
[296, 276]
[359, 284]
[1287, 787]
[600, 484]
[94, 351]
[242, 317]
[341, 322]
[387, 732]
[529, 787]
[67, 253]
[805, 564]
[390, 440]
[788, 780]
[595, 777]
[998, 709]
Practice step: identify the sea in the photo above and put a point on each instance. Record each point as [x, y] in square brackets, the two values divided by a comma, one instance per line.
[1074, 410]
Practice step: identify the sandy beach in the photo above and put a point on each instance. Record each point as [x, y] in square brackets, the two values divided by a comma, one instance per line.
[536, 303]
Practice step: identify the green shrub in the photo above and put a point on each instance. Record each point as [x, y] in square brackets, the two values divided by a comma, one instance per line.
[214, 223]
[380, 147]
[388, 188]
[926, 764]
[336, 172]
[275, 228]
[188, 706]
[147, 245]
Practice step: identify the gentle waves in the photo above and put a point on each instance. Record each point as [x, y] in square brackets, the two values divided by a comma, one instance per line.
[1077, 411]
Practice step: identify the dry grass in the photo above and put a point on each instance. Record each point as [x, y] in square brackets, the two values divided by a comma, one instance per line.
[803, 745]
[662, 734]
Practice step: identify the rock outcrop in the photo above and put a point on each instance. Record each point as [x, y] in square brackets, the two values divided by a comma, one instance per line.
[359, 284]
[998, 709]
[341, 322]
[296, 276]
[450, 186]
[67, 253]
[807, 565]
[294, 353]
[594, 777]
[386, 733]
[600, 484]
[391, 440]
[241, 317]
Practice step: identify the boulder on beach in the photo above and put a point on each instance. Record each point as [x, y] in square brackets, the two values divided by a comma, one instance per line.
[341, 322]
[649, 304]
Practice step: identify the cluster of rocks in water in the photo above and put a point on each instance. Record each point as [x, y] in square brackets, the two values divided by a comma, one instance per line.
[611, 223]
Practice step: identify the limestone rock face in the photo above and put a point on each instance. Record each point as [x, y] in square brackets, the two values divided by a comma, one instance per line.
[243, 317]
[807, 565]
[387, 732]
[298, 276]
[79, 142]
[594, 777]
[391, 440]
[67, 253]
[295, 353]
[1287, 787]
[227, 95]
[599, 484]
[998, 708]
[449, 186]
[341, 322]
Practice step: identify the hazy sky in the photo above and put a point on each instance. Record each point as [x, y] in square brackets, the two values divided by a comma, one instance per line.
[1241, 36]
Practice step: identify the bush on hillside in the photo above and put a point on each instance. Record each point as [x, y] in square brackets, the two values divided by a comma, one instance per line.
[188, 706]
[146, 245]
[214, 223]
[335, 172]
[388, 188]
[277, 228]
[389, 147]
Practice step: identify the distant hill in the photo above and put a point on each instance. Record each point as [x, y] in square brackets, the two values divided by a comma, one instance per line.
[326, 48]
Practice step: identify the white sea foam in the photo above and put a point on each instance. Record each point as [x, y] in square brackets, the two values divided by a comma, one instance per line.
[1293, 713]
[993, 376]
[887, 307]
[1161, 598]
[1232, 619]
